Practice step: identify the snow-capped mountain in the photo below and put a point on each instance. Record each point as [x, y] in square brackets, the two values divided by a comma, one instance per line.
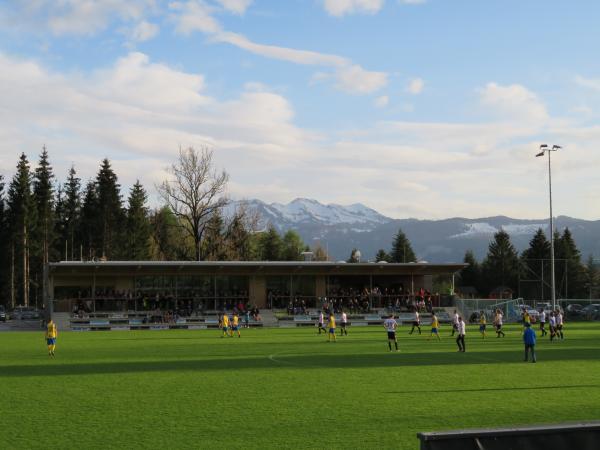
[342, 228]
[303, 212]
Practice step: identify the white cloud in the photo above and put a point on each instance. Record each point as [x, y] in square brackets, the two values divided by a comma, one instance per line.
[591, 83]
[411, 2]
[513, 102]
[415, 86]
[144, 31]
[347, 75]
[79, 17]
[235, 6]
[340, 8]
[356, 80]
[381, 102]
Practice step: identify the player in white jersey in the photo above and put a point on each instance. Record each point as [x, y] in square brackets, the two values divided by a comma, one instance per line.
[416, 322]
[460, 339]
[390, 326]
[322, 323]
[543, 322]
[454, 322]
[498, 323]
[552, 323]
[559, 324]
[344, 322]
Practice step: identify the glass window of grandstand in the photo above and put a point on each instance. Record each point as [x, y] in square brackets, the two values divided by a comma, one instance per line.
[278, 291]
[350, 293]
[195, 294]
[73, 299]
[155, 292]
[303, 290]
[391, 292]
[232, 292]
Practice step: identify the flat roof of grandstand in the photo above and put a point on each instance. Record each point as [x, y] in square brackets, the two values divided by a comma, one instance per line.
[271, 267]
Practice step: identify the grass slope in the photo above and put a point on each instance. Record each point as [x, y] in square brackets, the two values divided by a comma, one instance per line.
[284, 388]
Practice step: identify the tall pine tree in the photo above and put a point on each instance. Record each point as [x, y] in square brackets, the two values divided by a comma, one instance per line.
[4, 247]
[471, 275]
[501, 265]
[270, 245]
[535, 267]
[138, 225]
[90, 228]
[43, 237]
[402, 251]
[70, 217]
[570, 272]
[21, 218]
[111, 218]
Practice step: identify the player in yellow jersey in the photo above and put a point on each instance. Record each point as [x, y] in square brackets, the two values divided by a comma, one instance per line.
[331, 326]
[225, 324]
[482, 323]
[51, 335]
[435, 327]
[235, 325]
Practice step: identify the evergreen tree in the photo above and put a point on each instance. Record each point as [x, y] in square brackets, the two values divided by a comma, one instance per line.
[354, 256]
[21, 217]
[402, 251]
[241, 245]
[168, 242]
[382, 255]
[570, 272]
[501, 265]
[536, 267]
[4, 247]
[138, 225]
[111, 214]
[270, 245]
[592, 277]
[70, 217]
[43, 236]
[215, 248]
[292, 246]
[90, 229]
[471, 275]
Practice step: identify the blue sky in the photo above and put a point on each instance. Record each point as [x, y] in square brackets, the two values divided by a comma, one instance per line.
[417, 108]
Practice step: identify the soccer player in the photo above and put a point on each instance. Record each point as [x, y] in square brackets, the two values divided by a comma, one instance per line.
[435, 326]
[51, 335]
[526, 318]
[247, 318]
[235, 325]
[225, 324]
[482, 323]
[460, 339]
[331, 326]
[344, 330]
[559, 324]
[498, 323]
[552, 326]
[321, 321]
[543, 322]
[390, 325]
[529, 340]
[416, 322]
[455, 322]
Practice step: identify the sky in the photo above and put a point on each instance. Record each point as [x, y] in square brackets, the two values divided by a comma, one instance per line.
[416, 108]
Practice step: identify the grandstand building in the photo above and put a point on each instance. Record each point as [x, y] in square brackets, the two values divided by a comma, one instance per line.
[134, 288]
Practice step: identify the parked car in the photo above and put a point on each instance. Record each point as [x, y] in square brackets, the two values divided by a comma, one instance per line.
[25, 313]
[2, 314]
[590, 312]
[573, 310]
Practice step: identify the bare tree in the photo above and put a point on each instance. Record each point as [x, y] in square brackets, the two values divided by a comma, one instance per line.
[194, 192]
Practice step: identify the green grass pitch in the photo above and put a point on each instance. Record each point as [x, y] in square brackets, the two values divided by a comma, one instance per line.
[284, 388]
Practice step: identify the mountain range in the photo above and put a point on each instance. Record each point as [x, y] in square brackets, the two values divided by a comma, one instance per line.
[340, 228]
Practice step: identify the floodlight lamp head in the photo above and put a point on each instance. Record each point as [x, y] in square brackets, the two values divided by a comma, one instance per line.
[556, 147]
[539, 154]
[543, 146]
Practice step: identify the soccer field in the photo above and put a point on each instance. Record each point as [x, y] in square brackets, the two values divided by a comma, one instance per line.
[277, 388]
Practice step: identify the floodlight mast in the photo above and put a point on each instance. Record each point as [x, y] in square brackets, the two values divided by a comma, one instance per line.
[545, 149]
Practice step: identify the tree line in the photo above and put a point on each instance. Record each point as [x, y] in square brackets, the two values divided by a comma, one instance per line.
[527, 275]
[43, 220]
